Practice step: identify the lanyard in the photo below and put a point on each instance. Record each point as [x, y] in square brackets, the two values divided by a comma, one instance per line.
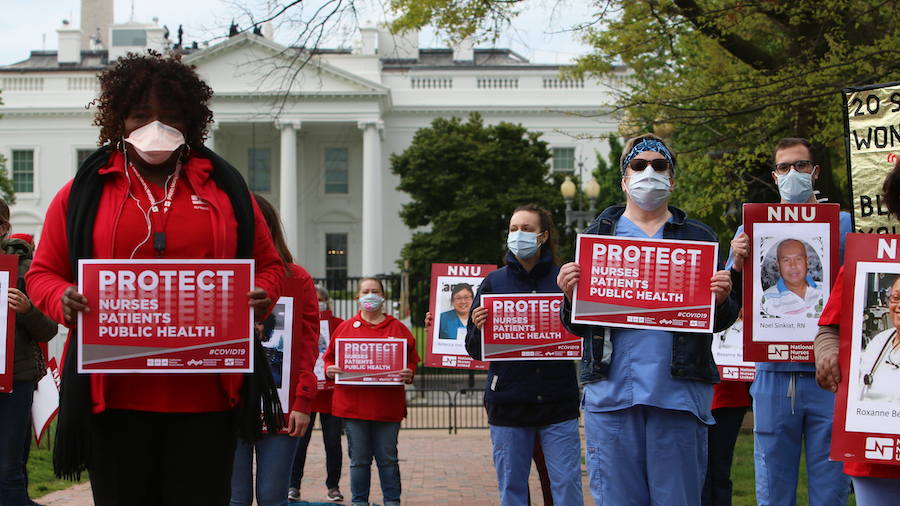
[159, 218]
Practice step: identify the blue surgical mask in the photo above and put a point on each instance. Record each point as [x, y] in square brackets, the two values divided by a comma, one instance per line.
[522, 244]
[795, 187]
[371, 301]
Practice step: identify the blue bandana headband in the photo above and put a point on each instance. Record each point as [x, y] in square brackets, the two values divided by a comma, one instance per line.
[648, 145]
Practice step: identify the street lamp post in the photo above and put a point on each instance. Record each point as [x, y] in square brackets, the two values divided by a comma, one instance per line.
[568, 190]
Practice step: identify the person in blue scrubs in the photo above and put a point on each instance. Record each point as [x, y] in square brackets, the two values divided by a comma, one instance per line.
[789, 408]
[648, 393]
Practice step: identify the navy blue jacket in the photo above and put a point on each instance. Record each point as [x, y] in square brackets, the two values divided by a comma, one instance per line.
[527, 381]
[691, 352]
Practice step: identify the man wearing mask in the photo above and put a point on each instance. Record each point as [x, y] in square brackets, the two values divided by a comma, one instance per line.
[788, 407]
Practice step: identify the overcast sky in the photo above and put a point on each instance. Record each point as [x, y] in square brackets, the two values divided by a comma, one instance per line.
[27, 25]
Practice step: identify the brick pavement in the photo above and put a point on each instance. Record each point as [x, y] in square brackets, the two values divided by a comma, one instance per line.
[436, 467]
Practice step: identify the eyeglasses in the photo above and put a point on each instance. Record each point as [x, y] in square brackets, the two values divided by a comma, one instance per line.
[463, 298]
[895, 299]
[800, 166]
[639, 164]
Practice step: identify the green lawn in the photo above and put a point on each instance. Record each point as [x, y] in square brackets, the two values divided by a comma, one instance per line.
[41, 480]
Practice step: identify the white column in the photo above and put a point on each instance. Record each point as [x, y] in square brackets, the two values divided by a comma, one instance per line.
[288, 182]
[211, 137]
[371, 208]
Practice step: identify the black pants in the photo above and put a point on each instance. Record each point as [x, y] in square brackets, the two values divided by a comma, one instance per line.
[722, 438]
[331, 435]
[146, 458]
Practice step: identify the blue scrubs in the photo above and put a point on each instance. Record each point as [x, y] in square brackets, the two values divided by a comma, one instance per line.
[645, 431]
[790, 408]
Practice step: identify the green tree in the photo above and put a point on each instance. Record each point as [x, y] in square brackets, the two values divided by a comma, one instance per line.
[465, 179]
[731, 77]
[609, 176]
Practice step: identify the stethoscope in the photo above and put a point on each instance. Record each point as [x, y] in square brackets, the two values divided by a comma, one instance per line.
[869, 378]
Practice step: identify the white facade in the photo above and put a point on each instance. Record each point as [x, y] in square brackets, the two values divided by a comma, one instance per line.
[354, 107]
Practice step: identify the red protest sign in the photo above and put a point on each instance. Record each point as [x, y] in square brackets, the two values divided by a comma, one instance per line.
[526, 326]
[794, 258]
[370, 361]
[645, 283]
[454, 287]
[166, 316]
[9, 269]
[867, 403]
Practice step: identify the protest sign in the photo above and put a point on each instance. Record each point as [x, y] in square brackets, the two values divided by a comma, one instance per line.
[45, 405]
[376, 361]
[794, 258]
[872, 139]
[9, 269]
[645, 283]
[325, 329]
[867, 403]
[165, 316]
[453, 288]
[728, 352]
[526, 326]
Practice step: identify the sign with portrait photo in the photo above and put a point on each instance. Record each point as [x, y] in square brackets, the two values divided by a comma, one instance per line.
[867, 402]
[325, 329]
[165, 316]
[645, 283]
[872, 138]
[9, 269]
[728, 352]
[453, 289]
[375, 361]
[526, 326]
[794, 257]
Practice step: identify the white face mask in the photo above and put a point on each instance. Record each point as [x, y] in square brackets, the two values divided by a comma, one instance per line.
[323, 306]
[795, 187]
[155, 142]
[649, 189]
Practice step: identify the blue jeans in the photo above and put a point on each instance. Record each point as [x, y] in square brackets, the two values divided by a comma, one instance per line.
[367, 439]
[513, 450]
[274, 458]
[331, 436]
[875, 491]
[644, 455]
[15, 411]
[780, 426]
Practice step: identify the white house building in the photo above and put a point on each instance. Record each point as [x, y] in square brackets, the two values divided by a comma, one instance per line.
[315, 140]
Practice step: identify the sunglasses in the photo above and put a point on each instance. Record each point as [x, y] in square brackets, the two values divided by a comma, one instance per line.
[639, 164]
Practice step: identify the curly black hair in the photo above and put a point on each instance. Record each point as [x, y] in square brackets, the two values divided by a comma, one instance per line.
[135, 77]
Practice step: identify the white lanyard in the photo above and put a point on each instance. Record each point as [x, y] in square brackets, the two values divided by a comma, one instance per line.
[159, 218]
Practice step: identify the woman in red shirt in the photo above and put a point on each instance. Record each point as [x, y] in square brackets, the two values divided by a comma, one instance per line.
[873, 484]
[153, 191]
[372, 414]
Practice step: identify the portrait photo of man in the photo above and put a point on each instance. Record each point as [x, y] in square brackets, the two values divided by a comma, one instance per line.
[795, 293]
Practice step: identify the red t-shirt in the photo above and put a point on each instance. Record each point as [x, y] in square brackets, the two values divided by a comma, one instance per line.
[831, 315]
[189, 234]
[363, 402]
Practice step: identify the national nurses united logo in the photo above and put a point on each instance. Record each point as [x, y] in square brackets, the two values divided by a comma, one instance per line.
[879, 448]
[779, 351]
[448, 361]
